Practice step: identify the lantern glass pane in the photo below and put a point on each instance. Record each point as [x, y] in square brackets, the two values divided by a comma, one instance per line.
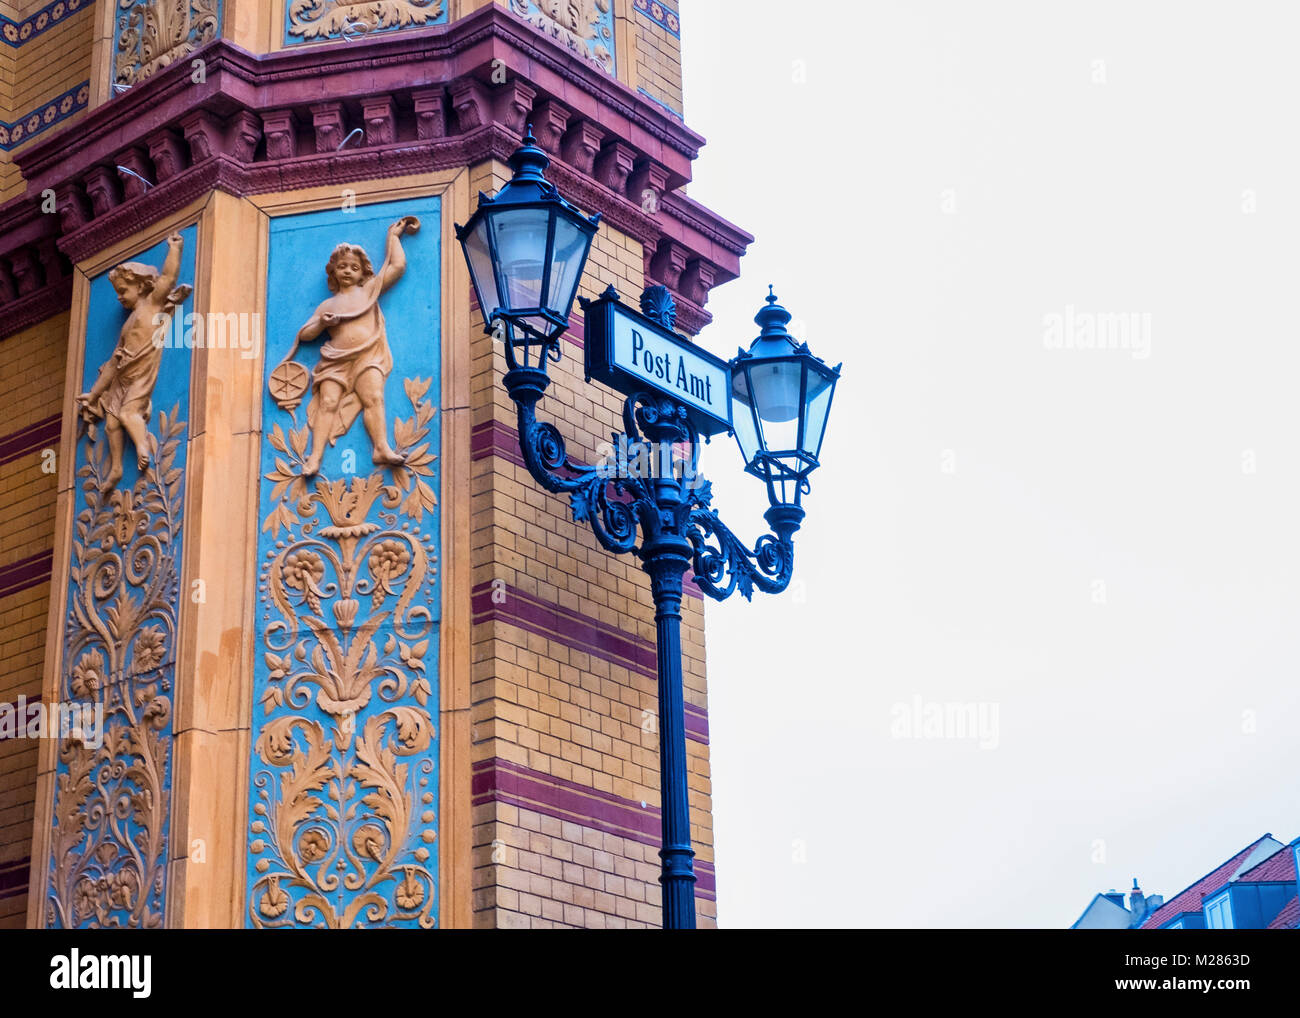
[479, 256]
[520, 236]
[776, 386]
[779, 381]
[742, 416]
[787, 490]
[818, 399]
[571, 245]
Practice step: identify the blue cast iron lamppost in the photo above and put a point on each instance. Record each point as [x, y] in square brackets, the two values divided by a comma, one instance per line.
[526, 249]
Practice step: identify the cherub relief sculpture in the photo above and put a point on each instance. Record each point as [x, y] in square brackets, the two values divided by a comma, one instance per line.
[354, 363]
[122, 394]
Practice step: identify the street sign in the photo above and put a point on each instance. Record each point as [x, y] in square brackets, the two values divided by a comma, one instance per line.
[629, 352]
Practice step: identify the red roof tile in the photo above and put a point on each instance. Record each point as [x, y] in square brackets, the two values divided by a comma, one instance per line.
[1189, 900]
[1289, 917]
[1277, 867]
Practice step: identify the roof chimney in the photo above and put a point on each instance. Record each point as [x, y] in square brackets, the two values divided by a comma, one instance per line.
[1137, 903]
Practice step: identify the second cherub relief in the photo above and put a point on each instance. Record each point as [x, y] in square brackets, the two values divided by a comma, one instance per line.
[344, 807]
[355, 361]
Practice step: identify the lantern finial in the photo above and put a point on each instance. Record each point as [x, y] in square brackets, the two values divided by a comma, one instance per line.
[772, 318]
[529, 160]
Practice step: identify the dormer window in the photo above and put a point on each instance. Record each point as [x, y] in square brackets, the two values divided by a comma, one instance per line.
[1218, 912]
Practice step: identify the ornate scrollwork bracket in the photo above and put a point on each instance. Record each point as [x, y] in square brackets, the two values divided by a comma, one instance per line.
[649, 484]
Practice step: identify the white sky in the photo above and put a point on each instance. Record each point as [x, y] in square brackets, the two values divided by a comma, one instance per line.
[1078, 474]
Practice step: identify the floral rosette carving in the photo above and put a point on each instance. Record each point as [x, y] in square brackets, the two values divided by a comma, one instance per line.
[108, 857]
[344, 822]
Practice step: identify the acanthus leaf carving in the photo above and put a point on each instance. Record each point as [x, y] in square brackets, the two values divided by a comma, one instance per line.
[328, 19]
[152, 34]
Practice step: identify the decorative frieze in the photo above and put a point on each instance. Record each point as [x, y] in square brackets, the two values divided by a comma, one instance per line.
[18, 33]
[57, 110]
[663, 16]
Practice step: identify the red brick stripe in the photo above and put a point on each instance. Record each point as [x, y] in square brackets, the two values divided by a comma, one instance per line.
[581, 633]
[492, 438]
[13, 877]
[564, 626]
[43, 434]
[498, 780]
[25, 573]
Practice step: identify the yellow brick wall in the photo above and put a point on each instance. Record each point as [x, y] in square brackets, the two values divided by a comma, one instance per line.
[31, 392]
[658, 59]
[53, 62]
[37, 71]
[542, 703]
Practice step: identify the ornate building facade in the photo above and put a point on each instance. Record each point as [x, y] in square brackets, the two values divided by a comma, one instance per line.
[265, 516]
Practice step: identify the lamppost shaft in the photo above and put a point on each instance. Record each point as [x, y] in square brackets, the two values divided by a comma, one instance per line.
[778, 381]
[666, 560]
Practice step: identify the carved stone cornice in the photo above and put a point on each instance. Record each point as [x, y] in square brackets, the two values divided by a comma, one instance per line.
[581, 145]
[429, 100]
[430, 114]
[380, 118]
[35, 307]
[708, 224]
[327, 121]
[667, 263]
[550, 118]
